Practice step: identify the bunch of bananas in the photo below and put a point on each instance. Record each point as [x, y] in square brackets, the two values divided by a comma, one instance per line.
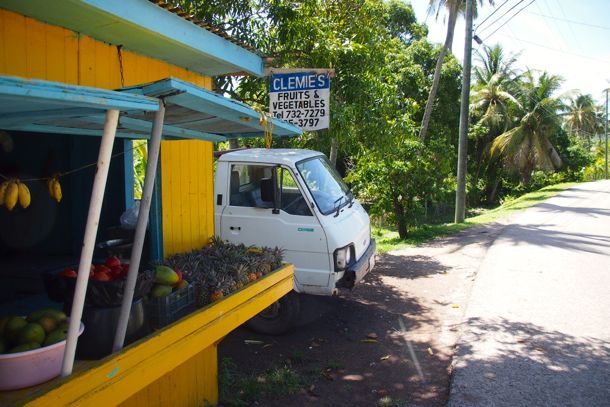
[13, 190]
[54, 188]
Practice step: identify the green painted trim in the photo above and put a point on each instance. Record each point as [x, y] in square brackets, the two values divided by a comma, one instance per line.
[155, 219]
[129, 173]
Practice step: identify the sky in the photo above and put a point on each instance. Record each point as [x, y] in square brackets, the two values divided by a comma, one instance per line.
[569, 38]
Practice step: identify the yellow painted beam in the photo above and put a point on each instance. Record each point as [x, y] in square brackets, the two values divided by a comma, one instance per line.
[123, 375]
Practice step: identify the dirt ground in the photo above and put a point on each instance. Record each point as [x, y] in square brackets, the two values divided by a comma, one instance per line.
[387, 343]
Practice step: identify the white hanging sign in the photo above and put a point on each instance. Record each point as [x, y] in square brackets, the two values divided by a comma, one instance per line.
[301, 98]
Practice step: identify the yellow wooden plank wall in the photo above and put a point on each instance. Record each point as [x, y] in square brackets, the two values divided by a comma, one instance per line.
[191, 384]
[187, 202]
[32, 49]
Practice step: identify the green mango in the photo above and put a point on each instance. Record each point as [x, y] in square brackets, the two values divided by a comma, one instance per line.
[12, 328]
[57, 335]
[49, 324]
[46, 312]
[31, 333]
[160, 290]
[165, 275]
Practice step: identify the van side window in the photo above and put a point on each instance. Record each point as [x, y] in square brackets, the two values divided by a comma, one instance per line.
[246, 185]
[291, 197]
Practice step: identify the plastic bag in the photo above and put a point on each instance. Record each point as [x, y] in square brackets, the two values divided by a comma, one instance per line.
[129, 218]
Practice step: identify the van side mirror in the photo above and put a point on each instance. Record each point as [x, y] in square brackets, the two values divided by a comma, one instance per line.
[267, 192]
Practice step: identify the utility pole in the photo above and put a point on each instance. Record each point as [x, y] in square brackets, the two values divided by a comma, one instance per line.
[460, 193]
[606, 134]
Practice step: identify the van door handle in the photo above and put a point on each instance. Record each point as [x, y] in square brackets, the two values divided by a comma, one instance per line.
[235, 228]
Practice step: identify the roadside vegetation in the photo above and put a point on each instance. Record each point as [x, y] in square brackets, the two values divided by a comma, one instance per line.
[240, 389]
[388, 239]
[524, 133]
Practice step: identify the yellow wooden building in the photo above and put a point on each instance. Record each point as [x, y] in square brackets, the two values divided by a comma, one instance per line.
[74, 75]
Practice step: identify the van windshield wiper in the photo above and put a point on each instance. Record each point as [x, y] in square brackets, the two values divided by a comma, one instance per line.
[338, 204]
[350, 198]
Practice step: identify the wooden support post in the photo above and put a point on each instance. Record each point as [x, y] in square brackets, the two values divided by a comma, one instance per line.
[136, 251]
[86, 256]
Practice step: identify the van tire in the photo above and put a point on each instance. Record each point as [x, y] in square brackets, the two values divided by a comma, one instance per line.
[279, 317]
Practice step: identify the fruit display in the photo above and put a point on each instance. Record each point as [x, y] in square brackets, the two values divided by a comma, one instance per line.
[106, 285]
[54, 188]
[221, 268]
[111, 269]
[167, 281]
[13, 191]
[43, 327]
[32, 347]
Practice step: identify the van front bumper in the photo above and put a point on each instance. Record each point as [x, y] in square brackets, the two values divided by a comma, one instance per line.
[356, 271]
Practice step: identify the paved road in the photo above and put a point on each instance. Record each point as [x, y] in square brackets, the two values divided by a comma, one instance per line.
[536, 329]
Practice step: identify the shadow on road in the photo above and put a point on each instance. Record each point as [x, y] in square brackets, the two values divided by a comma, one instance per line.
[593, 212]
[544, 235]
[375, 343]
[512, 363]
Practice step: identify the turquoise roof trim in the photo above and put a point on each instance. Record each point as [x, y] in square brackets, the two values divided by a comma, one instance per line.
[145, 28]
[191, 112]
[18, 95]
[190, 106]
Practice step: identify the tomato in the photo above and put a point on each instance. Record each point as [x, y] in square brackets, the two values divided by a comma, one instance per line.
[69, 273]
[101, 276]
[113, 261]
[102, 269]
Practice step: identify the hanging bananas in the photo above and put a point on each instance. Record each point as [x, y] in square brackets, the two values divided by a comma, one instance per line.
[54, 188]
[24, 195]
[13, 191]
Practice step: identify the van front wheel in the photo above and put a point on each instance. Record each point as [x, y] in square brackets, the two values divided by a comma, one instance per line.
[277, 318]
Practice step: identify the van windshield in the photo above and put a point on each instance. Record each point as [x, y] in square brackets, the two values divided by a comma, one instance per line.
[325, 184]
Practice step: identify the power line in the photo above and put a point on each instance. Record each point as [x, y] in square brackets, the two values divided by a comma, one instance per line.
[494, 12]
[499, 18]
[507, 21]
[556, 49]
[567, 20]
[564, 16]
[560, 39]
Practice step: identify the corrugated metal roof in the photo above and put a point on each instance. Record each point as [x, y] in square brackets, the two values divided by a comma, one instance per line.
[173, 8]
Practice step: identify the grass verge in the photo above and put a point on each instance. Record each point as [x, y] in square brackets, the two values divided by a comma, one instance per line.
[239, 389]
[388, 239]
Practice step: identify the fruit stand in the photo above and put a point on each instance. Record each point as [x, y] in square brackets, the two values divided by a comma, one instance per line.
[61, 131]
[144, 372]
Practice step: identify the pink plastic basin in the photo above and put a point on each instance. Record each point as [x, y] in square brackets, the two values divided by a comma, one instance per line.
[24, 369]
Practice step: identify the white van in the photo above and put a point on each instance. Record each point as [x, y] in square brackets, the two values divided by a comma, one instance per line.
[296, 200]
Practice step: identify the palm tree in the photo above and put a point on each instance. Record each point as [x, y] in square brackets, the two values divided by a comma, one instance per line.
[527, 146]
[493, 61]
[453, 7]
[492, 101]
[492, 96]
[583, 117]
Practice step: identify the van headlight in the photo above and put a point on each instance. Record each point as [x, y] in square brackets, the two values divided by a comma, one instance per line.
[343, 257]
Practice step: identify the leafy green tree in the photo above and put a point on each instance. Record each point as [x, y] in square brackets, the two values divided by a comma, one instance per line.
[527, 146]
[383, 65]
